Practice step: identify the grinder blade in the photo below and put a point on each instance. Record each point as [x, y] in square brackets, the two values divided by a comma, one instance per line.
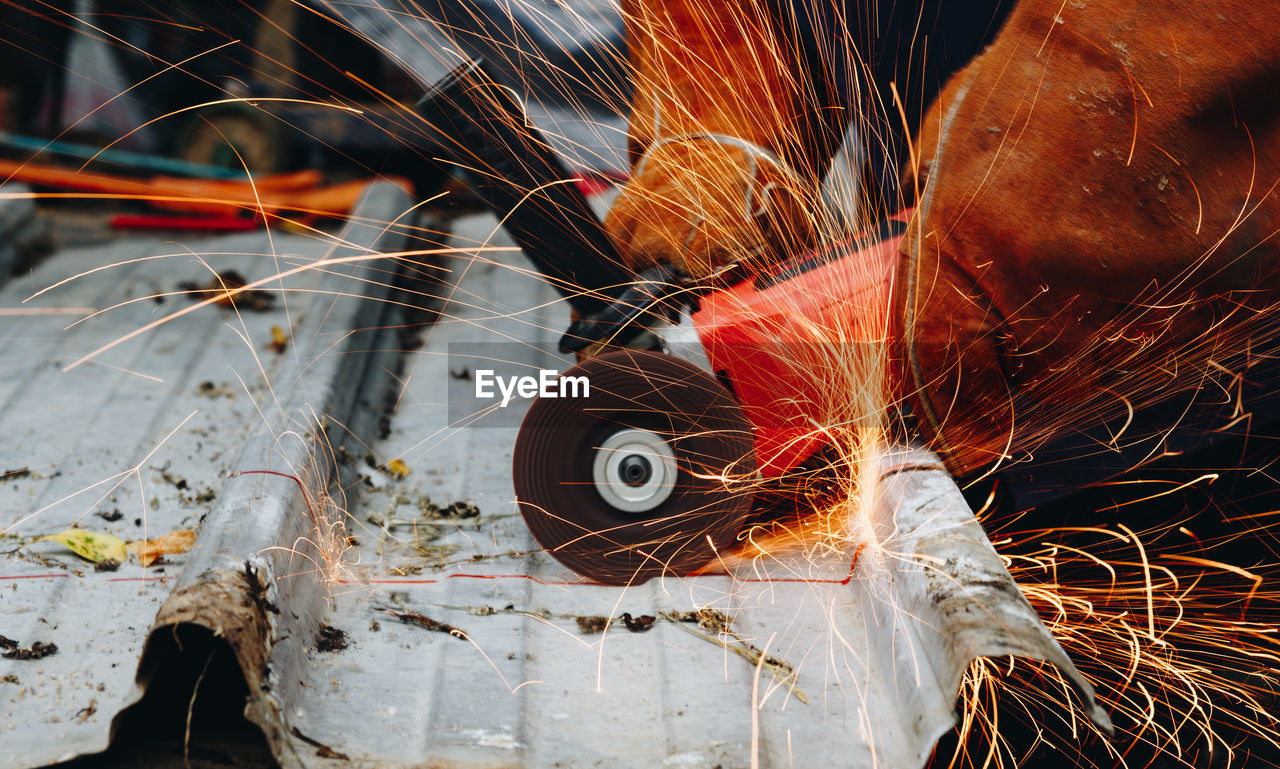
[649, 472]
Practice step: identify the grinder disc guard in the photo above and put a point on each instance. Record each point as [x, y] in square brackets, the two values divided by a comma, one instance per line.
[642, 410]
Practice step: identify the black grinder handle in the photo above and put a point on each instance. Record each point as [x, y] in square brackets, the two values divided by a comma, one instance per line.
[484, 128]
[653, 292]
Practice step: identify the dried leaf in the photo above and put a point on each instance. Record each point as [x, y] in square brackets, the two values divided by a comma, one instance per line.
[90, 545]
[397, 469]
[279, 340]
[148, 551]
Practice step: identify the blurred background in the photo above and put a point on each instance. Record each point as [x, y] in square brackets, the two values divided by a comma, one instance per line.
[215, 90]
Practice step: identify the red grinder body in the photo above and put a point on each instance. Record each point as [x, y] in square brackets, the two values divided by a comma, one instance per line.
[771, 336]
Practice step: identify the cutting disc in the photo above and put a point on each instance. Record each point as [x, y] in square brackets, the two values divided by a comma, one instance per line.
[649, 472]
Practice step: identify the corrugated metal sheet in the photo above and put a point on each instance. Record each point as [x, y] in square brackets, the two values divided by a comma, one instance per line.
[465, 645]
[147, 437]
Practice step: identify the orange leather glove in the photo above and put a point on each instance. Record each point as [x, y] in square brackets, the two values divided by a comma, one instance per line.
[714, 138]
[1098, 231]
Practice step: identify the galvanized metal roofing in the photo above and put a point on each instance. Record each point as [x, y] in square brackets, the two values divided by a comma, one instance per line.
[464, 645]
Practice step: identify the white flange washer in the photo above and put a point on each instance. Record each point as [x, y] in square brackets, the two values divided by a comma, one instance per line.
[635, 470]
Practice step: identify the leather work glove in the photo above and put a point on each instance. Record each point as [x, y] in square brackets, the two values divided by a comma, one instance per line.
[1098, 229]
[715, 139]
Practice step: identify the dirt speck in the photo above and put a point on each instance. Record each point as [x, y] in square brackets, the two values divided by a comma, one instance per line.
[460, 510]
[227, 290]
[322, 750]
[204, 497]
[593, 624]
[638, 624]
[208, 389]
[175, 481]
[331, 639]
[36, 651]
[257, 590]
[426, 623]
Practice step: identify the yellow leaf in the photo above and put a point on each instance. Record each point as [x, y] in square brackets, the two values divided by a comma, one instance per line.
[90, 545]
[148, 551]
[279, 340]
[397, 469]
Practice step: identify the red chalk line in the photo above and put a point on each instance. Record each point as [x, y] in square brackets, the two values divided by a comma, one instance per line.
[584, 583]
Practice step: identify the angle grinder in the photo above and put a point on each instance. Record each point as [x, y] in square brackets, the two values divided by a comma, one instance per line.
[652, 469]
